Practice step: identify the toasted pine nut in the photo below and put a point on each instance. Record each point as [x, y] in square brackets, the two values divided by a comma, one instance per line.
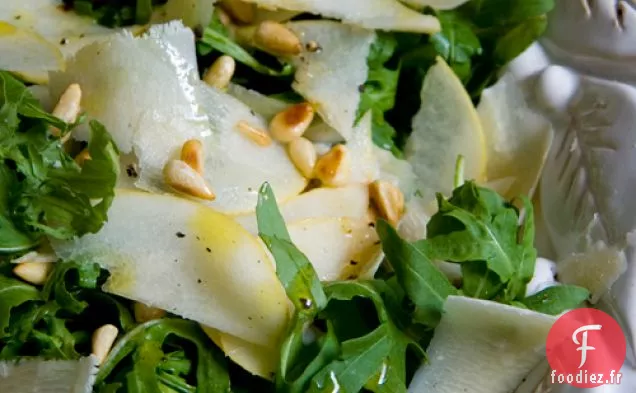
[183, 178]
[239, 10]
[36, 257]
[145, 313]
[224, 18]
[258, 136]
[192, 154]
[220, 72]
[303, 154]
[334, 168]
[388, 199]
[35, 273]
[102, 342]
[68, 107]
[277, 39]
[82, 157]
[292, 122]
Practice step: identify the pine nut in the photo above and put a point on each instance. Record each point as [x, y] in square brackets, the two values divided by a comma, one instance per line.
[388, 199]
[36, 257]
[220, 72]
[183, 178]
[192, 154]
[258, 136]
[303, 154]
[334, 168]
[239, 10]
[35, 273]
[68, 108]
[277, 39]
[82, 157]
[292, 122]
[103, 340]
[223, 16]
[145, 313]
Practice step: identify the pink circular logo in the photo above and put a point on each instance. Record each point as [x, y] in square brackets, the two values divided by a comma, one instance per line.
[586, 348]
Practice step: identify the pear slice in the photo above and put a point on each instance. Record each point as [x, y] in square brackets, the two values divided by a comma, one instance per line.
[128, 99]
[365, 167]
[48, 376]
[67, 31]
[330, 78]
[152, 111]
[447, 125]
[27, 51]
[370, 14]
[268, 107]
[256, 359]
[351, 201]
[596, 270]
[186, 258]
[338, 248]
[194, 13]
[517, 137]
[482, 347]
[235, 166]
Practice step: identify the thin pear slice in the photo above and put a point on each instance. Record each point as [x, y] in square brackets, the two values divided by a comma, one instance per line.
[351, 201]
[447, 125]
[193, 13]
[256, 359]
[482, 347]
[365, 167]
[338, 248]
[27, 51]
[518, 138]
[397, 171]
[370, 14]
[597, 269]
[186, 258]
[236, 166]
[48, 376]
[268, 107]
[330, 78]
[67, 31]
[128, 98]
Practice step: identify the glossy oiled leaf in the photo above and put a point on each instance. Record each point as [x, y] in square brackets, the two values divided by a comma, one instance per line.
[147, 339]
[292, 267]
[557, 299]
[13, 293]
[423, 282]
[475, 224]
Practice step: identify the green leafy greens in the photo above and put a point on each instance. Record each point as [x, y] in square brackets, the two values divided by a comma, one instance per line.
[115, 13]
[368, 354]
[44, 192]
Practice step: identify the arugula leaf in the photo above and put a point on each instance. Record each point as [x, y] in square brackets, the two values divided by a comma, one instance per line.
[457, 43]
[475, 224]
[58, 322]
[423, 282]
[217, 37]
[145, 344]
[372, 359]
[557, 299]
[292, 267]
[12, 294]
[116, 13]
[378, 92]
[44, 192]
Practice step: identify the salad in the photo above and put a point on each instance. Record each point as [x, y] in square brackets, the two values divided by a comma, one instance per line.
[271, 196]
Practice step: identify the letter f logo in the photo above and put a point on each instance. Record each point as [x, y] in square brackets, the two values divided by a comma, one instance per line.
[583, 344]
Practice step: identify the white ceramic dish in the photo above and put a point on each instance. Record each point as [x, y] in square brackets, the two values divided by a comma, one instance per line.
[582, 76]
